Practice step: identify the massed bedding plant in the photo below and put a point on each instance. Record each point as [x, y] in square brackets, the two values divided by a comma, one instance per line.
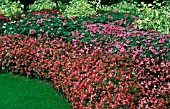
[57, 25]
[89, 77]
[116, 35]
[117, 39]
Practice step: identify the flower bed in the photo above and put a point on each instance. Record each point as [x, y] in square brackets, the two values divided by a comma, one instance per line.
[89, 75]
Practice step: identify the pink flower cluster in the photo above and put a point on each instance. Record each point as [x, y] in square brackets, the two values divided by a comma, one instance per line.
[125, 38]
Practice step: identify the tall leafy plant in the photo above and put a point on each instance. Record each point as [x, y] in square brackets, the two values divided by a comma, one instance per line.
[9, 8]
[121, 7]
[150, 17]
[41, 4]
[79, 8]
[97, 4]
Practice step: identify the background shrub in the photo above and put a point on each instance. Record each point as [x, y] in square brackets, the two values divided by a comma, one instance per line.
[41, 4]
[8, 8]
[121, 7]
[78, 8]
[150, 17]
[25, 3]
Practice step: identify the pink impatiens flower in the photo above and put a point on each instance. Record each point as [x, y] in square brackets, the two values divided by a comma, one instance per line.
[46, 33]
[74, 40]
[81, 36]
[72, 33]
[156, 52]
[94, 40]
[134, 47]
[110, 50]
[52, 16]
[162, 41]
[118, 46]
[32, 31]
[151, 48]
[109, 16]
[122, 50]
[85, 23]
[77, 32]
[164, 48]
[41, 30]
[128, 41]
[150, 31]
[126, 15]
[110, 28]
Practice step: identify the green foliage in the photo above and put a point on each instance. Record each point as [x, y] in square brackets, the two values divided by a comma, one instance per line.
[151, 17]
[41, 4]
[78, 8]
[61, 6]
[96, 3]
[122, 7]
[63, 1]
[9, 8]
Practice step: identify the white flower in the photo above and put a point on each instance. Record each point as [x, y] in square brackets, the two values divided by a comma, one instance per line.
[13, 22]
[3, 26]
[23, 15]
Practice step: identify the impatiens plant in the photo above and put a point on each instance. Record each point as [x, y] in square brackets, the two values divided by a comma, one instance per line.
[118, 39]
[56, 25]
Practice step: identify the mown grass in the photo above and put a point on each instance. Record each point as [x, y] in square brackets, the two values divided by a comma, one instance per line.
[18, 92]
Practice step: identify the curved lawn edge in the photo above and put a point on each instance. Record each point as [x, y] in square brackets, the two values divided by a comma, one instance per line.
[18, 92]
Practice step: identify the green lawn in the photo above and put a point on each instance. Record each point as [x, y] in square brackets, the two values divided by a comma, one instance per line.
[18, 92]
